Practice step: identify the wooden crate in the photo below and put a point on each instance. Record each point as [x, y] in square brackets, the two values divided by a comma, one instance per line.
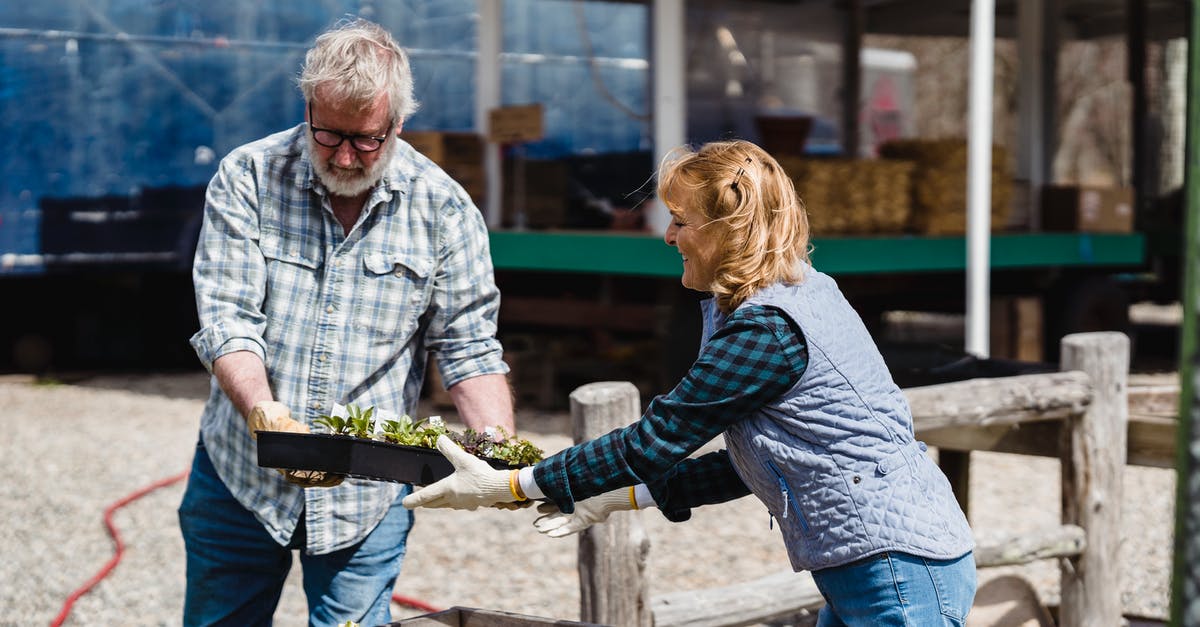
[472, 177]
[460, 154]
[1016, 328]
[443, 147]
[531, 367]
[1087, 209]
[537, 191]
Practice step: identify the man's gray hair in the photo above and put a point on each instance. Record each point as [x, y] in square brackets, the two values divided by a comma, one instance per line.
[353, 63]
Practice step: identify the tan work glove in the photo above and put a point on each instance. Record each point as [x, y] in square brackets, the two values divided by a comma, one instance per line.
[272, 416]
[275, 416]
[474, 483]
[588, 512]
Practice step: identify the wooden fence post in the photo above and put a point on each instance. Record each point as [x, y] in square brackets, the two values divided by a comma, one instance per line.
[612, 556]
[1093, 465]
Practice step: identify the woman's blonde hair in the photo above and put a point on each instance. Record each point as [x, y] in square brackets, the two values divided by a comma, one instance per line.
[764, 224]
[354, 62]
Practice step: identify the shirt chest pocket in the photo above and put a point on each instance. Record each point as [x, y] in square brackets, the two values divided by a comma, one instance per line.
[393, 293]
[292, 264]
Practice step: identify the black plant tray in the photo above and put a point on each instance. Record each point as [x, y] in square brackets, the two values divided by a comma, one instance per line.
[357, 457]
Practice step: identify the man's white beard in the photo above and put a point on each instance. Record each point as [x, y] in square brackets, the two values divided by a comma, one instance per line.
[355, 180]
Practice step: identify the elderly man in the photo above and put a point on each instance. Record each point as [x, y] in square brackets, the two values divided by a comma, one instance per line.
[333, 261]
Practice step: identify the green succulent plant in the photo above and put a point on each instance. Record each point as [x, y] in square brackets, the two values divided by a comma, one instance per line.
[336, 425]
[497, 443]
[422, 432]
[362, 423]
[358, 422]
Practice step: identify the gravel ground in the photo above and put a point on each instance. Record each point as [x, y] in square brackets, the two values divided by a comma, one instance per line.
[72, 449]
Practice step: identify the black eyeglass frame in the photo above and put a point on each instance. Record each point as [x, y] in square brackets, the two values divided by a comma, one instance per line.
[354, 139]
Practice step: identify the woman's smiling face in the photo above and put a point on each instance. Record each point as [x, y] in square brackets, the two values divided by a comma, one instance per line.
[697, 239]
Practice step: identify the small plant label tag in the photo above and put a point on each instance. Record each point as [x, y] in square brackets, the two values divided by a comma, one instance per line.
[381, 415]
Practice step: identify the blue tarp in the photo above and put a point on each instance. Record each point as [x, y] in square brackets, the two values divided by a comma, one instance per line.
[111, 98]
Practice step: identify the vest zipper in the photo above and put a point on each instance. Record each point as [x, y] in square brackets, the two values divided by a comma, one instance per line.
[786, 493]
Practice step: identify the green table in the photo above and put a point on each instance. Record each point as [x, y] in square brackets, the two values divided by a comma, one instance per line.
[637, 254]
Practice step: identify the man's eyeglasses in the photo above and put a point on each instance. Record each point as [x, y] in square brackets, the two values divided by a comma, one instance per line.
[332, 139]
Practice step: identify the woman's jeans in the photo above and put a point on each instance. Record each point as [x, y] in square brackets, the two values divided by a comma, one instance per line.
[236, 570]
[897, 589]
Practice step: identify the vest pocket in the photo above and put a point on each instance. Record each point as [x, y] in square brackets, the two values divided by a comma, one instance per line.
[789, 506]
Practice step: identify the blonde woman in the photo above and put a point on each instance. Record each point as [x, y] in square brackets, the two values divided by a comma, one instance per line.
[814, 425]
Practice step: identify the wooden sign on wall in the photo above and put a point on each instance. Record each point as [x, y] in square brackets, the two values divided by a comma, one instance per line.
[513, 124]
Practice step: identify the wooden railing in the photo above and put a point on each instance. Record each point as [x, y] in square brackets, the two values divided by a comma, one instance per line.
[1081, 414]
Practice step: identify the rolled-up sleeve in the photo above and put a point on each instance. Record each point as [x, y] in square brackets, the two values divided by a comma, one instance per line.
[229, 271]
[466, 301]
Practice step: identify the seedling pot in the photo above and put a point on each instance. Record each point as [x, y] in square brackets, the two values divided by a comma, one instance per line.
[357, 457]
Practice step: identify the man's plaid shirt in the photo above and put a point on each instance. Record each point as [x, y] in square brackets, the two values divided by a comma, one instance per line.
[755, 357]
[336, 318]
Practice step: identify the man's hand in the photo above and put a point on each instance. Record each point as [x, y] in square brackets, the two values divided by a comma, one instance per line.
[588, 512]
[272, 416]
[311, 478]
[275, 416]
[474, 483]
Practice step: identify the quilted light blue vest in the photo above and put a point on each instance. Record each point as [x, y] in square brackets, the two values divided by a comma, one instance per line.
[834, 459]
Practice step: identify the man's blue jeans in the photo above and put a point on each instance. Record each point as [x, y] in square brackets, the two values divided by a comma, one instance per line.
[236, 571]
[897, 589]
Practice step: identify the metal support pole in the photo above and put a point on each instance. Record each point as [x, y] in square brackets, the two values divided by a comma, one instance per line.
[487, 97]
[979, 175]
[1144, 190]
[1037, 49]
[852, 37]
[670, 91]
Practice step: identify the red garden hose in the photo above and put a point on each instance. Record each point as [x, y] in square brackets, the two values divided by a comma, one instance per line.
[120, 550]
[120, 546]
[414, 603]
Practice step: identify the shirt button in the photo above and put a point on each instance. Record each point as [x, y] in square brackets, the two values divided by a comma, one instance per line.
[316, 405]
[329, 309]
[322, 357]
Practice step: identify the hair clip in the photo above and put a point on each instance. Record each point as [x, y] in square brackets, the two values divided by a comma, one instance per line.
[738, 177]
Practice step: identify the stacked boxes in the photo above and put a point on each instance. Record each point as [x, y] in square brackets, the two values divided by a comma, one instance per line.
[535, 193]
[1087, 209]
[460, 154]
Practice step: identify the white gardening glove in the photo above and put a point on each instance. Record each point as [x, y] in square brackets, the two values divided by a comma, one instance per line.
[275, 416]
[588, 512]
[474, 483]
